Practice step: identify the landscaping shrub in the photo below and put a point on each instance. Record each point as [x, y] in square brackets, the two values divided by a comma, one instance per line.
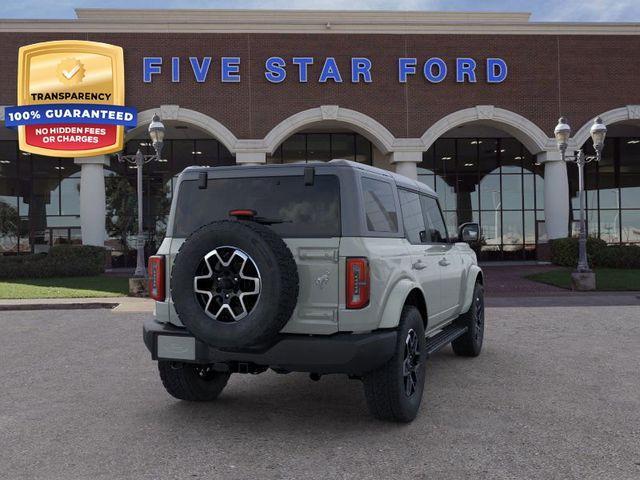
[564, 252]
[61, 261]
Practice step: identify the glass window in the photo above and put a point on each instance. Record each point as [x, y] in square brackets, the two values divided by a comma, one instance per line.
[488, 156]
[467, 155]
[181, 157]
[294, 149]
[298, 210]
[364, 150]
[510, 155]
[379, 205]
[512, 228]
[412, 216]
[8, 159]
[343, 145]
[436, 229]
[630, 226]
[512, 192]
[45, 166]
[629, 155]
[445, 156]
[490, 198]
[610, 226]
[629, 190]
[491, 223]
[318, 147]
[70, 196]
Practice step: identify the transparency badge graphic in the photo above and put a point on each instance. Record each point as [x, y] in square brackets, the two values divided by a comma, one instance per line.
[70, 99]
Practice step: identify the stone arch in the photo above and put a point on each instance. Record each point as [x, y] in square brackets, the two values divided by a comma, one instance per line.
[527, 132]
[180, 114]
[622, 114]
[373, 130]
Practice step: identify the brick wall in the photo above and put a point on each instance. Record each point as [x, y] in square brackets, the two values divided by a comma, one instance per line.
[578, 76]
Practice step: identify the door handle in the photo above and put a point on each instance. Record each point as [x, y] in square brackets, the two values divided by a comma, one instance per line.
[418, 265]
[444, 262]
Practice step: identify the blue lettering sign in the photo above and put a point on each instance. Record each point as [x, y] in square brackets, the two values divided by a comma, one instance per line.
[496, 70]
[406, 66]
[230, 70]
[330, 71]
[200, 71]
[151, 66]
[465, 67]
[360, 67]
[303, 64]
[175, 69]
[275, 69]
[428, 70]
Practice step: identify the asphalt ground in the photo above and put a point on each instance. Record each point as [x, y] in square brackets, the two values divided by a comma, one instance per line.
[554, 395]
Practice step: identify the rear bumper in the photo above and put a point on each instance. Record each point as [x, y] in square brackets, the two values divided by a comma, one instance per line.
[339, 353]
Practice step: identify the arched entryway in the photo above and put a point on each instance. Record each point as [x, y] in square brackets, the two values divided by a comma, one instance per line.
[329, 132]
[485, 169]
[613, 185]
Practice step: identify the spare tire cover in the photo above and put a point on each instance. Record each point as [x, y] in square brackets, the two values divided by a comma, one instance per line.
[234, 284]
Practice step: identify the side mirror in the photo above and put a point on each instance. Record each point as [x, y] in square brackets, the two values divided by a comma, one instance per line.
[469, 232]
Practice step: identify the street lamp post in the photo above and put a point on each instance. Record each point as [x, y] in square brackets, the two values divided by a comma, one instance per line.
[598, 132]
[156, 133]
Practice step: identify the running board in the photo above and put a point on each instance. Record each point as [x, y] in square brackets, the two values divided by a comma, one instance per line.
[444, 338]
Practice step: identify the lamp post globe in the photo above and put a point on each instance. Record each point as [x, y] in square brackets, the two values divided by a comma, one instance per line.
[156, 133]
[598, 133]
[562, 133]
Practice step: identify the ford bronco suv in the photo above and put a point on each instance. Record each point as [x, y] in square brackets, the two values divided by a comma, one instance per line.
[322, 268]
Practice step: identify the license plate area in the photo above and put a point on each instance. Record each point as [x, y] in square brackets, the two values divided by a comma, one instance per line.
[175, 347]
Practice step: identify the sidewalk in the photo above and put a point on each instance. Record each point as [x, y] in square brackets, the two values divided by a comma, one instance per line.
[115, 304]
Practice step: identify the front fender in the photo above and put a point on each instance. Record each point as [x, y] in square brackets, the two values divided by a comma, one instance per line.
[395, 302]
[472, 275]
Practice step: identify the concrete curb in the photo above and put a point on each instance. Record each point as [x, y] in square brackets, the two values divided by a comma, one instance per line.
[57, 306]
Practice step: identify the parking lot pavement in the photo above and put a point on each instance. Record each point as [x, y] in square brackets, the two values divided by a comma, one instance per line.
[555, 394]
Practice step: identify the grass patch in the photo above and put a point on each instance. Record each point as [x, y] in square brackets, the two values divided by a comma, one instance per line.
[68, 287]
[607, 279]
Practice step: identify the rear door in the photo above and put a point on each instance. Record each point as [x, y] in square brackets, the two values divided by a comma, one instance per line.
[424, 263]
[441, 249]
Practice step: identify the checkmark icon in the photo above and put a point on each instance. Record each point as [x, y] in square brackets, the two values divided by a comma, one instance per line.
[71, 73]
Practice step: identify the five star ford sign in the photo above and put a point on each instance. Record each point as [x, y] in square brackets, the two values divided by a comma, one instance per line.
[70, 99]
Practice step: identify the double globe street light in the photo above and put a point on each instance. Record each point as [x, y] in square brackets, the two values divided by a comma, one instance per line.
[156, 133]
[583, 278]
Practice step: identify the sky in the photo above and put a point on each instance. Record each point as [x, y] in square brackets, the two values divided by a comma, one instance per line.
[542, 10]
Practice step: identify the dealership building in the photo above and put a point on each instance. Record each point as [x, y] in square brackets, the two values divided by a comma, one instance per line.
[464, 102]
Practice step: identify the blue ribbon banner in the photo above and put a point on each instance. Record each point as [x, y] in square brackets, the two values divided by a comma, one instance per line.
[70, 113]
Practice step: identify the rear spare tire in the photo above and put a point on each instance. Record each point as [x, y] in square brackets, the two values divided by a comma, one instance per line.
[234, 284]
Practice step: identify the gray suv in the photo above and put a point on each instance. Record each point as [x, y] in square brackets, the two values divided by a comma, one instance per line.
[323, 268]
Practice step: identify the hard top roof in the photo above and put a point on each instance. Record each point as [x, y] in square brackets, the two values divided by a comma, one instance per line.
[400, 180]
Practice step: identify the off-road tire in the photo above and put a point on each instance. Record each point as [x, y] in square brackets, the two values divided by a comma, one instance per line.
[278, 290]
[193, 383]
[385, 388]
[470, 344]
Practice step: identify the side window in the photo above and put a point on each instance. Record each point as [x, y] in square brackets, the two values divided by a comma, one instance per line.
[412, 216]
[436, 229]
[379, 206]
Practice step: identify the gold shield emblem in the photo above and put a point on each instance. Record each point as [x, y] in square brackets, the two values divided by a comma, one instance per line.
[77, 73]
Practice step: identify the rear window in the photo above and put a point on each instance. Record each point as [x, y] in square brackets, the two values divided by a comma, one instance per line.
[301, 210]
[379, 206]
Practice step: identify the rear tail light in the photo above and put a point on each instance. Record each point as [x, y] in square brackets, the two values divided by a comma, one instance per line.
[358, 286]
[156, 278]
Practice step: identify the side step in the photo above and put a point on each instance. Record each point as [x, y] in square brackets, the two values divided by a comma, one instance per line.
[444, 338]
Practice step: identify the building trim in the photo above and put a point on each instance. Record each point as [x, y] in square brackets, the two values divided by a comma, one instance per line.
[531, 136]
[616, 115]
[311, 21]
[377, 133]
[174, 112]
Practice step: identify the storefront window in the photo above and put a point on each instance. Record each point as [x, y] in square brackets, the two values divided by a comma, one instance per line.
[493, 181]
[307, 147]
[612, 190]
